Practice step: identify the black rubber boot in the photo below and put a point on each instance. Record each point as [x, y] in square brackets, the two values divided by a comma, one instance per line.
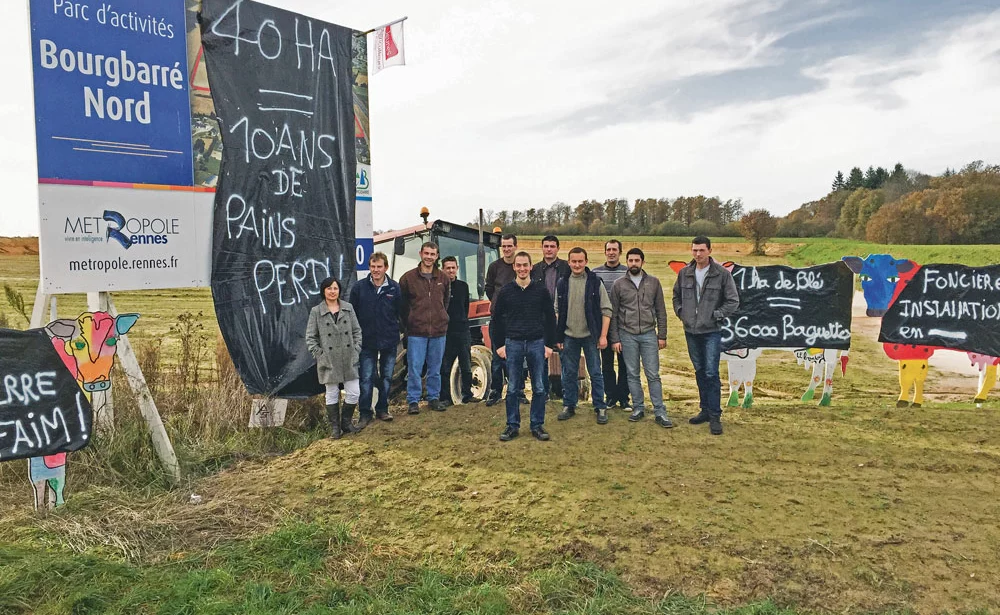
[715, 423]
[333, 415]
[346, 416]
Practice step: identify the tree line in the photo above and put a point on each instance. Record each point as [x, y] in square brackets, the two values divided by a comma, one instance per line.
[878, 205]
[649, 216]
[904, 206]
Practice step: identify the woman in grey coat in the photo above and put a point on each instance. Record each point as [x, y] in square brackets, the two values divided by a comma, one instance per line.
[333, 337]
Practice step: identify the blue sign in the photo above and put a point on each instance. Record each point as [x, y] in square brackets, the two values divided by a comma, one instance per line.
[363, 249]
[111, 91]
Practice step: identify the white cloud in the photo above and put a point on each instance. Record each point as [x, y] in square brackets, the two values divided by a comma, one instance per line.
[468, 122]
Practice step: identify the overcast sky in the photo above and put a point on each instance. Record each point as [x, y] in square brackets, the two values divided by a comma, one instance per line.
[518, 104]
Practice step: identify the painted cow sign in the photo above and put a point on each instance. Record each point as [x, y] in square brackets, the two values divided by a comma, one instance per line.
[87, 346]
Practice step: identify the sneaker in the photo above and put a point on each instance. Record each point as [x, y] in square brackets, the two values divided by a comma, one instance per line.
[715, 426]
[437, 405]
[567, 413]
[637, 415]
[663, 421]
[602, 416]
[383, 416]
[626, 408]
[698, 419]
[492, 400]
[540, 434]
[468, 399]
[508, 434]
[414, 408]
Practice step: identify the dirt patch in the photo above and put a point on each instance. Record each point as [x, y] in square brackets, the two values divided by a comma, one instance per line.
[19, 246]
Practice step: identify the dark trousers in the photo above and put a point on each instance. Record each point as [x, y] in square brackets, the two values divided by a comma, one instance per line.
[498, 367]
[458, 345]
[615, 386]
[704, 350]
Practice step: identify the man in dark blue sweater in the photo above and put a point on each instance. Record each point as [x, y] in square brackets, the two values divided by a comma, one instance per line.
[376, 301]
[458, 343]
[523, 318]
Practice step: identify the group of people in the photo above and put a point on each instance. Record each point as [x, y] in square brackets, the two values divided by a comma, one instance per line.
[543, 317]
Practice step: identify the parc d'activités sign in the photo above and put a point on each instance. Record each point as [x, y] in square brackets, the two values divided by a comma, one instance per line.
[242, 164]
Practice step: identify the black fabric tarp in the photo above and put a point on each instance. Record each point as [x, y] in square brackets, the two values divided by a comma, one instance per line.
[42, 409]
[284, 205]
[950, 306]
[785, 307]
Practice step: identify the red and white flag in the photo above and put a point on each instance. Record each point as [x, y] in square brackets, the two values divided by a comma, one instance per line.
[388, 46]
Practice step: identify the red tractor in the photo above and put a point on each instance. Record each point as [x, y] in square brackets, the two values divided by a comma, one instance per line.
[475, 250]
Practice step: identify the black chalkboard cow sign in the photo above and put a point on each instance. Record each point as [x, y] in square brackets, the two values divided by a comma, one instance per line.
[803, 310]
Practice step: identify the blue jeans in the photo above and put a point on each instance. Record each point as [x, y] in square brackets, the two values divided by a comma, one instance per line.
[376, 367]
[643, 347]
[704, 350]
[421, 351]
[570, 358]
[534, 352]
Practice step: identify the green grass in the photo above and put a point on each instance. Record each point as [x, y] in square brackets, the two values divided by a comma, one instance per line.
[813, 252]
[861, 507]
[302, 568]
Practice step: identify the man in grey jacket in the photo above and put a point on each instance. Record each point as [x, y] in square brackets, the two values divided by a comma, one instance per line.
[639, 331]
[705, 295]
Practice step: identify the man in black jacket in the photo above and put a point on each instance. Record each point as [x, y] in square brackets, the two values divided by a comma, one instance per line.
[548, 271]
[458, 343]
[499, 274]
[524, 319]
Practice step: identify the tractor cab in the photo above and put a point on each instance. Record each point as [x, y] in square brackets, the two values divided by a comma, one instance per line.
[475, 251]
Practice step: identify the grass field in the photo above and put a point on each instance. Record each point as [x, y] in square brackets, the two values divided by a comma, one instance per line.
[860, 507]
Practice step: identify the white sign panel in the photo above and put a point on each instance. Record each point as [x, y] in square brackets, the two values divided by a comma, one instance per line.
[120, 239]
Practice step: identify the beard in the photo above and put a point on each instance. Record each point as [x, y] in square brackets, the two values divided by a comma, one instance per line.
[635, 270]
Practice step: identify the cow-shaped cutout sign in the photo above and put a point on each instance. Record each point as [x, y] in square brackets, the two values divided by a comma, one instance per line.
[742, 364]
[883, 278]
[87, 346]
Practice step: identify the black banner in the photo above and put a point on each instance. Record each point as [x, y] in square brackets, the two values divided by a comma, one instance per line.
[42, 409]
[951, 306]
[284, 205]
[795, 308]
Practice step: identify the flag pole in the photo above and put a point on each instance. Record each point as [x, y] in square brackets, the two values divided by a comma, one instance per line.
[395, 21]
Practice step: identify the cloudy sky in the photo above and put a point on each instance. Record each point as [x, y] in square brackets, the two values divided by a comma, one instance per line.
[518, 104]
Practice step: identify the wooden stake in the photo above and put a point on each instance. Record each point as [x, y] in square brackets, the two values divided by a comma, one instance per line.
[130, 364]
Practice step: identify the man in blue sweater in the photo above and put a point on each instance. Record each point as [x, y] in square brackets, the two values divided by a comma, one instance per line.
[376, 301]
[524, 320]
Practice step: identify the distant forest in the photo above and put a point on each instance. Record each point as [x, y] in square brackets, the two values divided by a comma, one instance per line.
[893, 207]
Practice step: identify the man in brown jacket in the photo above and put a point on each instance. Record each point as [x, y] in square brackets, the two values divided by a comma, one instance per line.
[425, 293]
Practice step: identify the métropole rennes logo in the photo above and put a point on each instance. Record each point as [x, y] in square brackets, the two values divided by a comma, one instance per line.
[127, 232]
